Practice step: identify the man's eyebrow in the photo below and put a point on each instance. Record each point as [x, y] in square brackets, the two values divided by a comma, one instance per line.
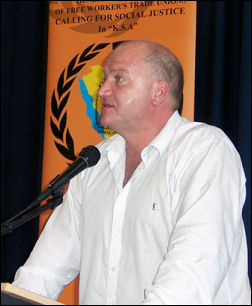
[116, 70]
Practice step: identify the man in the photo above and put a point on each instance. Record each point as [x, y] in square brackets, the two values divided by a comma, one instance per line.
[159, 219]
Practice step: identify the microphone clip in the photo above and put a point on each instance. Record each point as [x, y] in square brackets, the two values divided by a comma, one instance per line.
[25, 216]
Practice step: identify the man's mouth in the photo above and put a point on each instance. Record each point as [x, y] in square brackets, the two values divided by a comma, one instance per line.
[106, 105]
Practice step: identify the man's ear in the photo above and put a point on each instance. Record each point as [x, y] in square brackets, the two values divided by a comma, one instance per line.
[160, 92]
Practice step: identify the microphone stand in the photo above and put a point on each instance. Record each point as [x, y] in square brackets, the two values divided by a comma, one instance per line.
[30, 213]
[88, 157]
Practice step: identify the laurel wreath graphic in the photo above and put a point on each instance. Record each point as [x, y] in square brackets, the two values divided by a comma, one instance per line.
[61, 95]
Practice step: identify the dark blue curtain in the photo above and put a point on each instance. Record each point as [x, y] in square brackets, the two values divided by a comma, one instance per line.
[223, 78]
[222, 98]
[23, 70]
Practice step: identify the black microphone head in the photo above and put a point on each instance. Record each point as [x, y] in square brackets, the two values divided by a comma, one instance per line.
[91, 154]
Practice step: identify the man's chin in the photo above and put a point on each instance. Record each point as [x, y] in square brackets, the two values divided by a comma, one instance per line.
[105, 121]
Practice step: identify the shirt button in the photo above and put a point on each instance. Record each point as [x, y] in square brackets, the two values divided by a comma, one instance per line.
[116, 235]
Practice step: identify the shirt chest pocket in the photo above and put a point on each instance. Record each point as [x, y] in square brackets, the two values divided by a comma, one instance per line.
[149, 207]
[148, 223]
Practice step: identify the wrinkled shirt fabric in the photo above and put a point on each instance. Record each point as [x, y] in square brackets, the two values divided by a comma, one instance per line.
[173, 234]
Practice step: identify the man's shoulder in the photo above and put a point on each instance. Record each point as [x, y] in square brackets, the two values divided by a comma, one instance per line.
[194, 134]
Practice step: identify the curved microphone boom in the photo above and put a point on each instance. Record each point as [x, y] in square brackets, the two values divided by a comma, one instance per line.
[88, 157]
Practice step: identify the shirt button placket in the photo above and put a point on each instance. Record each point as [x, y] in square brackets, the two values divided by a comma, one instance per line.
[116, 245]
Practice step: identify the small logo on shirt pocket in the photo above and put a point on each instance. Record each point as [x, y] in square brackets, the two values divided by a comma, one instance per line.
[154, 206]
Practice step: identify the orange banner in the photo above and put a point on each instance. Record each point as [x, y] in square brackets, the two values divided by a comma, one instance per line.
[81, 35]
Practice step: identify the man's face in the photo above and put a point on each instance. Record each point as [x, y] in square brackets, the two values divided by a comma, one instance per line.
[127, 90]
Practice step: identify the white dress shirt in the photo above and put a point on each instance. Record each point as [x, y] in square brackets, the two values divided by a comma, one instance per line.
[173, 234]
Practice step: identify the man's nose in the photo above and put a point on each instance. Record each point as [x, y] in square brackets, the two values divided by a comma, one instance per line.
[105, 89]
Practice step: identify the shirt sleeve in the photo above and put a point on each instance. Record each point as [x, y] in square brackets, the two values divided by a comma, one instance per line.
[208, 228]
[55, 258]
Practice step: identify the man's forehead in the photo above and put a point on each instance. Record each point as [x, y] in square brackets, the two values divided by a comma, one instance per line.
[125, 55]
[116, 67]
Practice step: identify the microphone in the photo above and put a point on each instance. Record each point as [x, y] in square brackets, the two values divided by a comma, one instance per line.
[88, 157]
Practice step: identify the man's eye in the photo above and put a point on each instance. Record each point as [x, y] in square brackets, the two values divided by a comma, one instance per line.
[118, 78]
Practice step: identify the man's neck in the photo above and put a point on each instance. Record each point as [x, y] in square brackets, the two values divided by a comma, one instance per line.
[134, 147]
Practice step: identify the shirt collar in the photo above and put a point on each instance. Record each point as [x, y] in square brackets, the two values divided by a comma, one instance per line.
[161, 142]
[115, 147]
